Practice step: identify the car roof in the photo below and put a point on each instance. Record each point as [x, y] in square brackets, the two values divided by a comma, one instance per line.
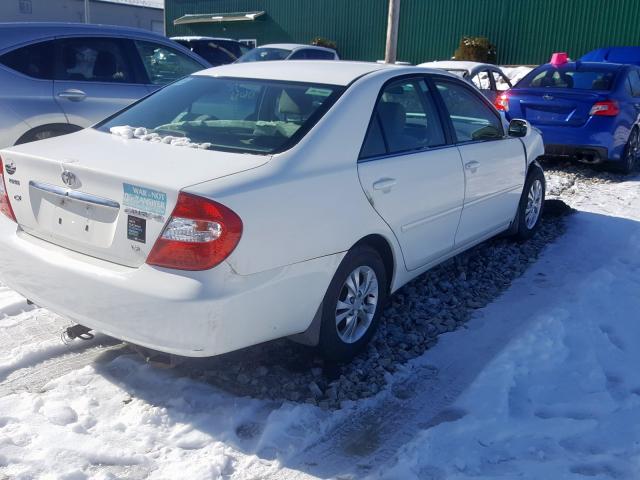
[308, 71]
[621, 54]
[456, 65]
[20, 33]
[295, 46]
[196, 38]
[591, 65]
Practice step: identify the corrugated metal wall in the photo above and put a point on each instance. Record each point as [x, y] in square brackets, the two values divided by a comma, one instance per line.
[525, 31]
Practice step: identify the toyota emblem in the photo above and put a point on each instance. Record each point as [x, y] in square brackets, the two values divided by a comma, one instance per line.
[69, 178]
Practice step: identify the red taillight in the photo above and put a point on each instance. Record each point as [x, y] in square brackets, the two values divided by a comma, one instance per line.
[5, 206]
[607, 108]
[502, 102]
[199, 235]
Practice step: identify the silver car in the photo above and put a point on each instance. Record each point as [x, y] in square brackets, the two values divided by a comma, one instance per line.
[288, 51]
[60, 77]
[489, 79]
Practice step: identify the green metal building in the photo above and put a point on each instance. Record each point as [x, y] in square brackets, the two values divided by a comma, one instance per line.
[524, 31]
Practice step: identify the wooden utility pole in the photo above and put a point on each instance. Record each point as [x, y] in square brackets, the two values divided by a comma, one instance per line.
[391, 50]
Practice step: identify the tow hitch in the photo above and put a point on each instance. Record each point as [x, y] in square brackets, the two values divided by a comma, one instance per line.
[77, 331]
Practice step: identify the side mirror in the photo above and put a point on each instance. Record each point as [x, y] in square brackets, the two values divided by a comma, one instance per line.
[518, 128]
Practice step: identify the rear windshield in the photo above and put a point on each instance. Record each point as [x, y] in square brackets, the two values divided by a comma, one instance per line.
[568, 76]
[230, 114]
[262, 54]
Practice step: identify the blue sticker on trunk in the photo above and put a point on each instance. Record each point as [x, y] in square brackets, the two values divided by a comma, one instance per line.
[144, 199]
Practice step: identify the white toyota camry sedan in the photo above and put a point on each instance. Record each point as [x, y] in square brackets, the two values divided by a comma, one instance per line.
[255, 201]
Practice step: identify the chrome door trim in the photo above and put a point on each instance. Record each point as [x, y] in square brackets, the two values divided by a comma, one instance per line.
[74, 195]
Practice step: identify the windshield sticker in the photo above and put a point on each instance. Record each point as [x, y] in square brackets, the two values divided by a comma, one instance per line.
[144, 199]
[318, 92]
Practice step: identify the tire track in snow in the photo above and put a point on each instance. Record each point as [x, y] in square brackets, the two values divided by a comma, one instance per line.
[33, 352]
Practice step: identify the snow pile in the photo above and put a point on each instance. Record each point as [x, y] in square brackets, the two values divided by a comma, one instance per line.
[515, 74]
[126, 131]
[562, 400]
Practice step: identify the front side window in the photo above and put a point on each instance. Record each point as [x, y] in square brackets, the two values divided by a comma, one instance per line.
[569, 76]
[404, 119]
[33, 60]
[93, 60]
[163, 64]
[472, 118]
[230, 114]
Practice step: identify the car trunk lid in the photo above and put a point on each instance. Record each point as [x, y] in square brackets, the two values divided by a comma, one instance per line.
[553, 107]
[104, 195]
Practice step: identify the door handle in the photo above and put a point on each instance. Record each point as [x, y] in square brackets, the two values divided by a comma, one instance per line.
[73, 95]
[384, 184]
[472, 166]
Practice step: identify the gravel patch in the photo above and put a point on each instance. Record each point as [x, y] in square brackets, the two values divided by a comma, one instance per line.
[565, 178]
[439, 301]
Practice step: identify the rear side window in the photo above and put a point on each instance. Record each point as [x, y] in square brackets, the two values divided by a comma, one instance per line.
[634, 83]
[549, 76]
[163, 64]
[482, 81]
[405, 119]
[472, 118]
[214, 53]
[502, 83]
[33, 60]
[93, 60]
[264, 54]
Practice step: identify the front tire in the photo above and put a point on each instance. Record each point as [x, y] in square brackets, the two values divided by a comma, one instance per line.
[353, 304]
[531, 205]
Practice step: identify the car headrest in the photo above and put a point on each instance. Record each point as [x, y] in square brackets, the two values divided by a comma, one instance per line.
[295, 102]
[105, 65]
[393, 116]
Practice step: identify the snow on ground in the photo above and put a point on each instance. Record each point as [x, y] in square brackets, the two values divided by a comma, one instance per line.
[562, 400]
[542, 384]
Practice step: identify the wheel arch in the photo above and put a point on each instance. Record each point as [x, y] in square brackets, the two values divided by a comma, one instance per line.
[60, 128]
[384, 249]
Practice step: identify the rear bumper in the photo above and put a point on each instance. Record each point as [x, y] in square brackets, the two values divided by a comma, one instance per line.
[185, 313]
[586, 153]
[593, 143]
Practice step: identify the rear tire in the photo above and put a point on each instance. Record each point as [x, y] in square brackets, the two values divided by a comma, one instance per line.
[531, 205]
[352, 306]
[629, 160]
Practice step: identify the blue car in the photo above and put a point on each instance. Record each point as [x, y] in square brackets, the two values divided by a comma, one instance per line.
[587, 111]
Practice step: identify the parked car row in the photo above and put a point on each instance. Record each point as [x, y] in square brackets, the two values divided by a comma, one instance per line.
[268, 198]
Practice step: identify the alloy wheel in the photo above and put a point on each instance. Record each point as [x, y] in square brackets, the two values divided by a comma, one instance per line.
[357, 304]
[534, 204]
